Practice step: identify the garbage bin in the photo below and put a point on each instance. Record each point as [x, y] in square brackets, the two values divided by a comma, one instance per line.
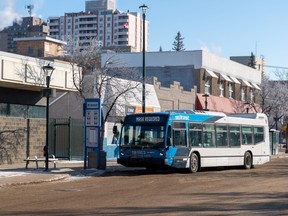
[92, 160]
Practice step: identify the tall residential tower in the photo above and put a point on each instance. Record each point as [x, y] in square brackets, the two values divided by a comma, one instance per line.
[101, 20]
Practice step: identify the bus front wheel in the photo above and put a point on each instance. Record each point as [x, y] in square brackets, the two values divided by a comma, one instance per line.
[194, 163]
[247, 160]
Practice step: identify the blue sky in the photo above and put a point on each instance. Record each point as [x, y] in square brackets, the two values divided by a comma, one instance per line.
[223, 27]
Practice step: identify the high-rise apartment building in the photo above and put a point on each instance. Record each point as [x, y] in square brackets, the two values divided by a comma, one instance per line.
[113, 28]
[27, 27]
[92, 5]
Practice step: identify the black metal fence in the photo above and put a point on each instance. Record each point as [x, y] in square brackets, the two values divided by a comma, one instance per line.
[66, 138]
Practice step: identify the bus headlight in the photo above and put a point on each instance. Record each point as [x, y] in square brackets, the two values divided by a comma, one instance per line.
[161, 154]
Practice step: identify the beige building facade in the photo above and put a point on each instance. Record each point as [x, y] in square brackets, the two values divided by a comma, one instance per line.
[39, 46]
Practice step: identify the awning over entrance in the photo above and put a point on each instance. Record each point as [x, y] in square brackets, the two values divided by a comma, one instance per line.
[225, 77]
[235, 80]
[246, 83]
[222, 104]
[210, 73]
[255, 86]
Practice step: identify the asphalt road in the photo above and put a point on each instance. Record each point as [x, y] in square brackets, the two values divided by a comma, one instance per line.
[234, 191]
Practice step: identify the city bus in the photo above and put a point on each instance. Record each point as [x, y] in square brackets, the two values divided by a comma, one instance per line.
[194, 140]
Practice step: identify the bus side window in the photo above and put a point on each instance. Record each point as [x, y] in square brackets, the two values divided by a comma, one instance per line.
[179, 134]
[195, 134]
[180, 138]
[234, 136]
[258, 134]
[247, 136]
[208, 135]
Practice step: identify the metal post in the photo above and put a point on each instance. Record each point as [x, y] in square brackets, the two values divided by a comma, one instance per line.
[144, 8]
[206, 102]
[247, 106]
[47, 125]
[48, 70]
[286, 150]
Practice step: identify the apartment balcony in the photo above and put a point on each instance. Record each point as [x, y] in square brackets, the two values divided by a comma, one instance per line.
[122, 39]
[87, 28]
[92, 22]
[54, 30]
[88, 34]
[54, 24]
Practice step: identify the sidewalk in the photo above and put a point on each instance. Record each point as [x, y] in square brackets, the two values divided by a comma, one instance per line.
[17, 174]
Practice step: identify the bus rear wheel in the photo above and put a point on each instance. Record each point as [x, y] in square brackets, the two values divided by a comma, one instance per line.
[194, 163]
[248, 160]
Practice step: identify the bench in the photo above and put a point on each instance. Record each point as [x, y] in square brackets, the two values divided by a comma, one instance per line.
[36, 160]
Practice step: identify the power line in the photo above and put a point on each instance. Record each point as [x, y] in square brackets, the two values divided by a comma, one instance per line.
[278, 67]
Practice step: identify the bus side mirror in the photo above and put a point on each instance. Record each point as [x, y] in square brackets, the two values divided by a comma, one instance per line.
[169, 141]
[115, 129]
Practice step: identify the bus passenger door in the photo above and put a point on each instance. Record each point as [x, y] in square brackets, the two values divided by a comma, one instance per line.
[178, 151]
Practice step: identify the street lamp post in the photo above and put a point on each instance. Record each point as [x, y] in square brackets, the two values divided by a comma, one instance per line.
[206, 102]
[144, 9]
[48, 70]
[247, 106]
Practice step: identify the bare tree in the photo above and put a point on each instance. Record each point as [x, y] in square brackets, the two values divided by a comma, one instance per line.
[32, 72]
[273, 97]
[97, 79]
[10, 141]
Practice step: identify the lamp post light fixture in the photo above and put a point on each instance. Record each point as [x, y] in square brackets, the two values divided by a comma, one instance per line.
[144, 9]
[247, 106]
[206, 102]
[48, 70]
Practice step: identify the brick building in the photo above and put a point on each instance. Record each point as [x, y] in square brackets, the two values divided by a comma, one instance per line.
[27, 27]
[229, 84]
[39, 46]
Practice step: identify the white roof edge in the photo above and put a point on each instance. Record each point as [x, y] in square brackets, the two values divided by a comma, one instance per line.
[41, 38]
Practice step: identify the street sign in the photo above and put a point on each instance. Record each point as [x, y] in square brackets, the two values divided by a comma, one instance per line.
[92, 124]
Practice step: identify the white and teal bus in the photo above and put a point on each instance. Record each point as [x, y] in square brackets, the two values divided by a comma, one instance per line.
[194, 140]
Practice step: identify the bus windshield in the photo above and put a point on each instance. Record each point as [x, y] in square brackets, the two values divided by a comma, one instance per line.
[142, 136]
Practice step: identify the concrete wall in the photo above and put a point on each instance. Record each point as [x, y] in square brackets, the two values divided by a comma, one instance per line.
[15, 70]
[32, 139]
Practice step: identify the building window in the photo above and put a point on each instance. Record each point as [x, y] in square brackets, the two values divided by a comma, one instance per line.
[39, 53]
[230, 86]
[243, 93]
[207, 85]
[30, 51]
[251, 95]
[222, 88]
